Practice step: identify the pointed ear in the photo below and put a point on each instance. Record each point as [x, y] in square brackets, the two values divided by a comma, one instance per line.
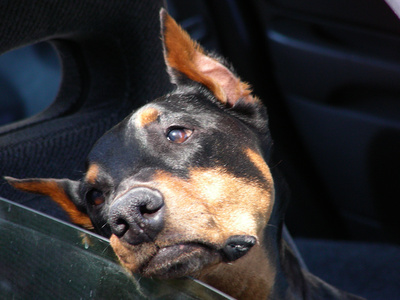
[62, 191]
[186, 59]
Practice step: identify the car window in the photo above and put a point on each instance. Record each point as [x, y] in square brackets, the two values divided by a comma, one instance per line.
[43, 258]
[29, 81]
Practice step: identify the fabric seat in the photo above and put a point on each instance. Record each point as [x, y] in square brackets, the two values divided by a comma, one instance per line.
[112, 62]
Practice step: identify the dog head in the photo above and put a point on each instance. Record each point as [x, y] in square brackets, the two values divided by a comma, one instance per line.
[180, 186]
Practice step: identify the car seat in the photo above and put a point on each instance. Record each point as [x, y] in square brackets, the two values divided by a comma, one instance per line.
[112, 62]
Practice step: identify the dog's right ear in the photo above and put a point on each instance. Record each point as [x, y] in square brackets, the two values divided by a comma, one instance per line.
[65, 192]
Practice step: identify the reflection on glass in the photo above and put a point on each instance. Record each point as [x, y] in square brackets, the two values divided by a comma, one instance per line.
[43, 258]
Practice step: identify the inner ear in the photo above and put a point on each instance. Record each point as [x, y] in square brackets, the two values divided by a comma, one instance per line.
[186, 59]
[62, 191]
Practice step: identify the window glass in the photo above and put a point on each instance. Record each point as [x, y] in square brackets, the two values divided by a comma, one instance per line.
[43, 258]
[29, 81]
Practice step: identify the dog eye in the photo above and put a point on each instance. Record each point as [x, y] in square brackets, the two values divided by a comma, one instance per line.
[179, 135]
[95, 197]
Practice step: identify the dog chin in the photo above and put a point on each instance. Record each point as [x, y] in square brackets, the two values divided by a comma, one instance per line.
[169, 262]
[180, 260]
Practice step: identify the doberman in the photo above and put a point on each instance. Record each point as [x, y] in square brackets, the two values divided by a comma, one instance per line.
[182, 186]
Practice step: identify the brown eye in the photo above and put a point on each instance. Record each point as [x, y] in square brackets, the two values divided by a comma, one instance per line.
[179, 135]
[95, 197]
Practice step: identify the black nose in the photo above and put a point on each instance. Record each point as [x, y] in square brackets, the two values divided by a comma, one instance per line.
[137, 216]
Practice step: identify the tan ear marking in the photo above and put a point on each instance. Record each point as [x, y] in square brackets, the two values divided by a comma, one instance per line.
[52, 189]
[188, 57]
[182, 54]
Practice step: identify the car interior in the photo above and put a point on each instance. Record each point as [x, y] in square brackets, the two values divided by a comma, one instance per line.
[328, 73]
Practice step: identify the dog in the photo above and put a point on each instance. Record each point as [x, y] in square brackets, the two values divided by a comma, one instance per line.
[182, 186]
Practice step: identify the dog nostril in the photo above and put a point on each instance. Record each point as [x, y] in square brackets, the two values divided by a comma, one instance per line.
[149, 213]
[120, 227]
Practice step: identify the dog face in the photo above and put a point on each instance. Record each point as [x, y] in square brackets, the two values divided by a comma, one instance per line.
[181, 185]
[176, 155]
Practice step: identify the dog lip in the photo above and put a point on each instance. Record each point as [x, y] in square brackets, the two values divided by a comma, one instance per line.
[179, 260]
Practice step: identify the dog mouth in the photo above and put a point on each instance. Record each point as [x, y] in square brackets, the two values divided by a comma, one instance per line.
[180, 260]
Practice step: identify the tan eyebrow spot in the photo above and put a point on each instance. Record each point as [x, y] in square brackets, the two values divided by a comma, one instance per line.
[92, 173]
[147, 116]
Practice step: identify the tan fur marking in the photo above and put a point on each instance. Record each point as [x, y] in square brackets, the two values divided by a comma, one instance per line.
[57, 194]
[232, 86]
[250, 277]
[214, 205]
[260, 163]
[132, 257]
[149, 115]
[188, 57]
[92, 173]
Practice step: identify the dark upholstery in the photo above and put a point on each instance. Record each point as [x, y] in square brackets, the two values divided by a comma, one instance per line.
[112, 62]
[370, 270]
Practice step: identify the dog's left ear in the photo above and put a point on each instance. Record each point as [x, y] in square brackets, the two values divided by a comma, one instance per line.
[65, 192]
[186, 59]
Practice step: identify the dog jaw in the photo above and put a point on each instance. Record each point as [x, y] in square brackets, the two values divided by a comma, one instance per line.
[250, 277]
[173, 261]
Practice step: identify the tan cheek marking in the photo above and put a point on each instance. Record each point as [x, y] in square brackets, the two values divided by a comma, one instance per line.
[213, 205]
[132, 257]
[184, 206]
[147, 116]
[260, 163]
[92, 173]
[250, 277]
